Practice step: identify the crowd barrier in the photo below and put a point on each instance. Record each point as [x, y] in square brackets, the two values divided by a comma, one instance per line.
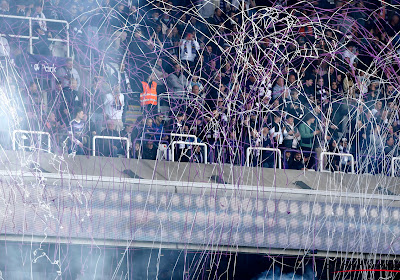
[169, 147]
[275, 150]
[190, 144]
[339, 155]
[392, 165]
[40, 133]
[311, 153]
[111, 138]
[31, 37]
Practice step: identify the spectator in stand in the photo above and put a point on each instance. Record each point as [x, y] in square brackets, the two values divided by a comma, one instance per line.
[297, 163]
[127, 132]
[76, 133]
[34, 99]
[114, 107]
[160, 76]
[333, 162]
[279, 88]
[345, 161]
[4, 7]
[307, 133]
[218, 17]
[4, 48]
[197, 155]
[177, 82]
[276, 130]
[148, 96]
[71, 99]
[41, 46]
[291, 134]
[309, 89]
[40, 15]
[391, 148]
[150, 151]
[107, 147]
[65, 73]
[189, 47]
[209, 55]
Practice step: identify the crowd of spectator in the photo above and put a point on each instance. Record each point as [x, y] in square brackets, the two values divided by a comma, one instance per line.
[190, 70]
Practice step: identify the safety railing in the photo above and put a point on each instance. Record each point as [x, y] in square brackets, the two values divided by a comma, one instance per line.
[31, 37]
[311, 153]
[336, 154]
[194, 137]
[392, 165]
[111, 138]
[277, 151]
[173, 143]
[226, 153]
[159, 142]
[40, 133]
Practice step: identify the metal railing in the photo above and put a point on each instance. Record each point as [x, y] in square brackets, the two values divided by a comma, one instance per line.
[31, 37]
[184, 135]
[189, 144]
[277, 151]
[321, 166]
[14, 138]
[111, 138]
[394, 159]
[310, 153]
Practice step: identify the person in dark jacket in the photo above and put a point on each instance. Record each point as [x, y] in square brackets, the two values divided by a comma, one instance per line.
[107, 147]
[150, 151]
[297, 162]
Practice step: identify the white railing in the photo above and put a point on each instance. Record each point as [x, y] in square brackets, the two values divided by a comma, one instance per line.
[14, 138]
[173, 143]
[31, 37]
[394, 159]
[194, 137]
[321, 161]
[277, 151]
[111, 138]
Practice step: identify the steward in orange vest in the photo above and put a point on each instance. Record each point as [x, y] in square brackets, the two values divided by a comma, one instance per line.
[149, 94]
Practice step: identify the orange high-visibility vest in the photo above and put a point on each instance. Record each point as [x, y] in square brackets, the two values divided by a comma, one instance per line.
[149, 94]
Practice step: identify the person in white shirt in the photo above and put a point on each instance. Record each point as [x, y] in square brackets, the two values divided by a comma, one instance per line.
[188, 49]
[4, 47]
[114, 107]
[39, 14]
[66, 73]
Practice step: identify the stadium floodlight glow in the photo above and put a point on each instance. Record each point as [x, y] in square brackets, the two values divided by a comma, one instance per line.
[259, 205]
[305, 209]
[176, 200]
[395, 214]
[294, 207]
[270, 206]
[351, 212]
[339, 211]
[259, 221]
[374, 212]
[282, 207]
[187, 201]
